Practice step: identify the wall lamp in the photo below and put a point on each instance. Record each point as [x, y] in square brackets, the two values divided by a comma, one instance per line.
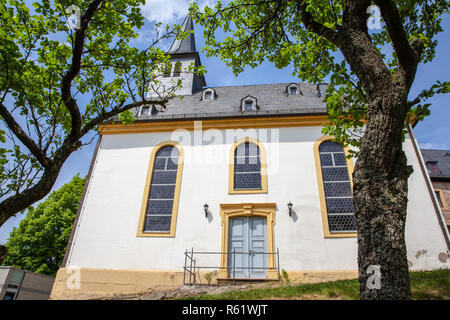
[205, 207]
[290, 208]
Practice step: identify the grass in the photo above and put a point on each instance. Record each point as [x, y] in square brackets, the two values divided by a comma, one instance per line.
[425, 285]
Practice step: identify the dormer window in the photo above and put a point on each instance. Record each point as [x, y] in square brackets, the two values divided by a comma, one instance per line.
[148, 110]
[248, 104]
[209, 94]
[145, 111]
[293, 89]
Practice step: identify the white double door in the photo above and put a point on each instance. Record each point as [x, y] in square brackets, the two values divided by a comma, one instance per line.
[247, 244]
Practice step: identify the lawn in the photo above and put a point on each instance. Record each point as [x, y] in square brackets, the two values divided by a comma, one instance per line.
[425, 285]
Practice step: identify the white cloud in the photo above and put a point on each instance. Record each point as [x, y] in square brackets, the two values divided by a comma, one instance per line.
[169, 11]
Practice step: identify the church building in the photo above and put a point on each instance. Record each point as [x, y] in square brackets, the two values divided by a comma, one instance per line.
[232, 183]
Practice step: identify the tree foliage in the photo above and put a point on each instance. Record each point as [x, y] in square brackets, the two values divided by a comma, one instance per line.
[39, 243]
[370, 76]
[306, 34]
[57, 84]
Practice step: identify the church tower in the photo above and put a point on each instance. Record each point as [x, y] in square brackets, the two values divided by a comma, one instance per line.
[182, 54]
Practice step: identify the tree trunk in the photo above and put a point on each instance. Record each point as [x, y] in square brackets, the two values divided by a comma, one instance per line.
[380, 197]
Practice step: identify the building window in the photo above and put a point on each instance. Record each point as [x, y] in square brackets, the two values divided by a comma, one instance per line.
[293, 89]
[248, 104]
[177, 70]
[9, 295]
[145, 110]
[441, 199]
[335, 188]
[160, 202]
[248, 167]
[208, 94]
[167, 70]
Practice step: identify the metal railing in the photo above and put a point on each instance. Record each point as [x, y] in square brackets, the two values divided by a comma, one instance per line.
[190, 264]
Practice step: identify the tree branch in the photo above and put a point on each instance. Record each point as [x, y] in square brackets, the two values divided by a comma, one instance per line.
[23, 137]
[408, 53]
[74, 70]
[316, 27]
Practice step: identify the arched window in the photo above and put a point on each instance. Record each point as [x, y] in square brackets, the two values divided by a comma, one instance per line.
[160, 201]
[177, 70]
[335, 189]
[248, 167]
[167, 69]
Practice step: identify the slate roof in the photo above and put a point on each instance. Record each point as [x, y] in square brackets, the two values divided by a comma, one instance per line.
[440, 158]
[272, 100]
[186, 45]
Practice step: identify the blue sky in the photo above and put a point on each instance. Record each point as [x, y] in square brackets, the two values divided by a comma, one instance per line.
[432, 133]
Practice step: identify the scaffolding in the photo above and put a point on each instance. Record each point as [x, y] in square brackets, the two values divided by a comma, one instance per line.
[190, 264]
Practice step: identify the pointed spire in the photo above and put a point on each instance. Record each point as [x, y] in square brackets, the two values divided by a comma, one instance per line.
[187, 45]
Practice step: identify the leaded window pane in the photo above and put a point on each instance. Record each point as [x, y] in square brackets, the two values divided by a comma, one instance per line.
[335, 173]
[330, 146]
[158, 223]
[337, 187]
[159, 207]
[342, 223]
[162, 190]
[247, 167]
[247, 181]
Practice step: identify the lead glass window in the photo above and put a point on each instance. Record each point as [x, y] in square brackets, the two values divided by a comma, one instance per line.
[247, 167]
[162, 190]
[337, 187]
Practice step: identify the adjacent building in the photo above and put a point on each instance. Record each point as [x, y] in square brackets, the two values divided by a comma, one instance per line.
[17, 284]
[437, 163]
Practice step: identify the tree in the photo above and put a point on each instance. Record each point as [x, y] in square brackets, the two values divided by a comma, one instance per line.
[367, 95]
[40, 241]
[47, 73]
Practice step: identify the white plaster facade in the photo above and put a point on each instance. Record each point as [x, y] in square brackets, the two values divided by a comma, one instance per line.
[105, 236]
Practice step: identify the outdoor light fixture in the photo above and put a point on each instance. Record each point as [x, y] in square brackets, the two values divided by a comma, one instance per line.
[205, 206]
[290, 208]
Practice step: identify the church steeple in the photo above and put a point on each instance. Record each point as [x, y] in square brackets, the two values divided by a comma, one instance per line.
[183, 54]
[186, 45]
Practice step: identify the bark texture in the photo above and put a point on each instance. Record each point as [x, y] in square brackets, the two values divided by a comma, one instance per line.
[381, 173]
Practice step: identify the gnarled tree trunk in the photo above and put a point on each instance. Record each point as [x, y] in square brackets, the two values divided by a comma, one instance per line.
[380, 196]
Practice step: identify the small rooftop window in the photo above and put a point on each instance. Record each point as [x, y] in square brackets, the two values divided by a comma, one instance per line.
[293, 89]
[248, 104]
[148, 110]
[145, 110]
[209, 94]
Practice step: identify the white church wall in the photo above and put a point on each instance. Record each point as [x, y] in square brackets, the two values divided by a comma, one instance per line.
[106, 235]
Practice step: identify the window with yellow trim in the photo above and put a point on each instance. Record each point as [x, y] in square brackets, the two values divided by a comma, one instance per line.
[337, 188]
[248, 168]
[160, 200]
